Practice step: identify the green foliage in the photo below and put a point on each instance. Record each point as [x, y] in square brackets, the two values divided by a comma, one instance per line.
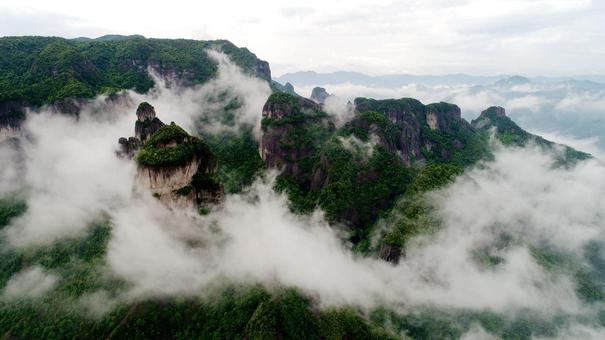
[588, 272]
[10, 208]
[203, 180]
[348, 324]
[156, 153]
[238, 159]
[359, 191]
[167, 134]
[384, 106]
[184, 191]
[284, 99]
[430, 323]
[434, 176]
[43, 70]
[232, 313]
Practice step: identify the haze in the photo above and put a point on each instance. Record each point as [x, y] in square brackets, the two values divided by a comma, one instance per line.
[533, 37]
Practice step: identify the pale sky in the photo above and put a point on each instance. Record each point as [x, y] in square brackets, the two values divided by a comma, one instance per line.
[529, 37]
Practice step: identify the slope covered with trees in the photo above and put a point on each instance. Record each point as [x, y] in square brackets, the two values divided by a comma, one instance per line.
[48, 70]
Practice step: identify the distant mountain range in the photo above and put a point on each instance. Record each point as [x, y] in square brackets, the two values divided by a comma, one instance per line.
[307, 78]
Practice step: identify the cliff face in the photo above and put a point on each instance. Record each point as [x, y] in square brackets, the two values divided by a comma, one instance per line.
[356, 171]
[176, 167]
[414, 131]
[406, 127]
[286, 119]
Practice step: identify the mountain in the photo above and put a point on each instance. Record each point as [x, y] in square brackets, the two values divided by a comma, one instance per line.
[311, 78]
[36, 71]
[356, 172]
[567, 106]
[319, 95]
[110, 37]
[370, 176]
[288, 88]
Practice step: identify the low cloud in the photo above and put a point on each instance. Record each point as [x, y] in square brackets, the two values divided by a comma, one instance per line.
[72, 176]
[359, 147]
[30, 283]
[254, 238]
[231, 87]
[567, 107]
[340, 109]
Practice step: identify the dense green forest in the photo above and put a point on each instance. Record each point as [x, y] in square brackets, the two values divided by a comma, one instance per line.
[234, 312]
[44, 70]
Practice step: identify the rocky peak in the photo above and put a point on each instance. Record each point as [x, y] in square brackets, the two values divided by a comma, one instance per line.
[497, 111]
[286, 118]
[147, 123]
[289, 88]
[442, 116]
[145, 112]
[280, 105]
[319, 95]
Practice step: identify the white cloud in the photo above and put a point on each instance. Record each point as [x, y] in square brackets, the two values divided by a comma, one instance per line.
[254, 238]
[477, 36]
[71, 173]
[30, 283]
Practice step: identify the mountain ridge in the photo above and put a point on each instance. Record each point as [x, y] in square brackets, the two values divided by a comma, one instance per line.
[36, 71]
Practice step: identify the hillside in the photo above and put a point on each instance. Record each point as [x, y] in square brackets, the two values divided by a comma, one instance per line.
[35, 71]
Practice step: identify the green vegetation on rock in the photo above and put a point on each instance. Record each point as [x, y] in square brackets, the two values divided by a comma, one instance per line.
[171, 146]
[239, 162]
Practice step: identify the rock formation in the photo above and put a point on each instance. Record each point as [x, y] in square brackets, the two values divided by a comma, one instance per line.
[147, 123]
[416, 128]
[176, 167]
[406, 127]
[282, 115]
[319, 95]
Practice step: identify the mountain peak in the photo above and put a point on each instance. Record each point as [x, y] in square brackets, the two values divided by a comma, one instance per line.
[319, 95]
[145, 112]
[497, 111]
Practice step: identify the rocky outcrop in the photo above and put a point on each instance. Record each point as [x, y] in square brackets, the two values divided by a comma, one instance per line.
[406, 127]
[174, 166]
[288, 88]
[145, 126]
[129, 146]
[147, 123]
[495, 117]
[281, 105]
[497, 111]
[390, 252]
[286, 119]
[319, 95]
[416, 130]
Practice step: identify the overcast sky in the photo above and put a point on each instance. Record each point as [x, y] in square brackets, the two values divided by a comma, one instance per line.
[529, 37]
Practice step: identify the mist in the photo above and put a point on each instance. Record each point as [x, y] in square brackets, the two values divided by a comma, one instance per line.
[569, 107]
[72, 177]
